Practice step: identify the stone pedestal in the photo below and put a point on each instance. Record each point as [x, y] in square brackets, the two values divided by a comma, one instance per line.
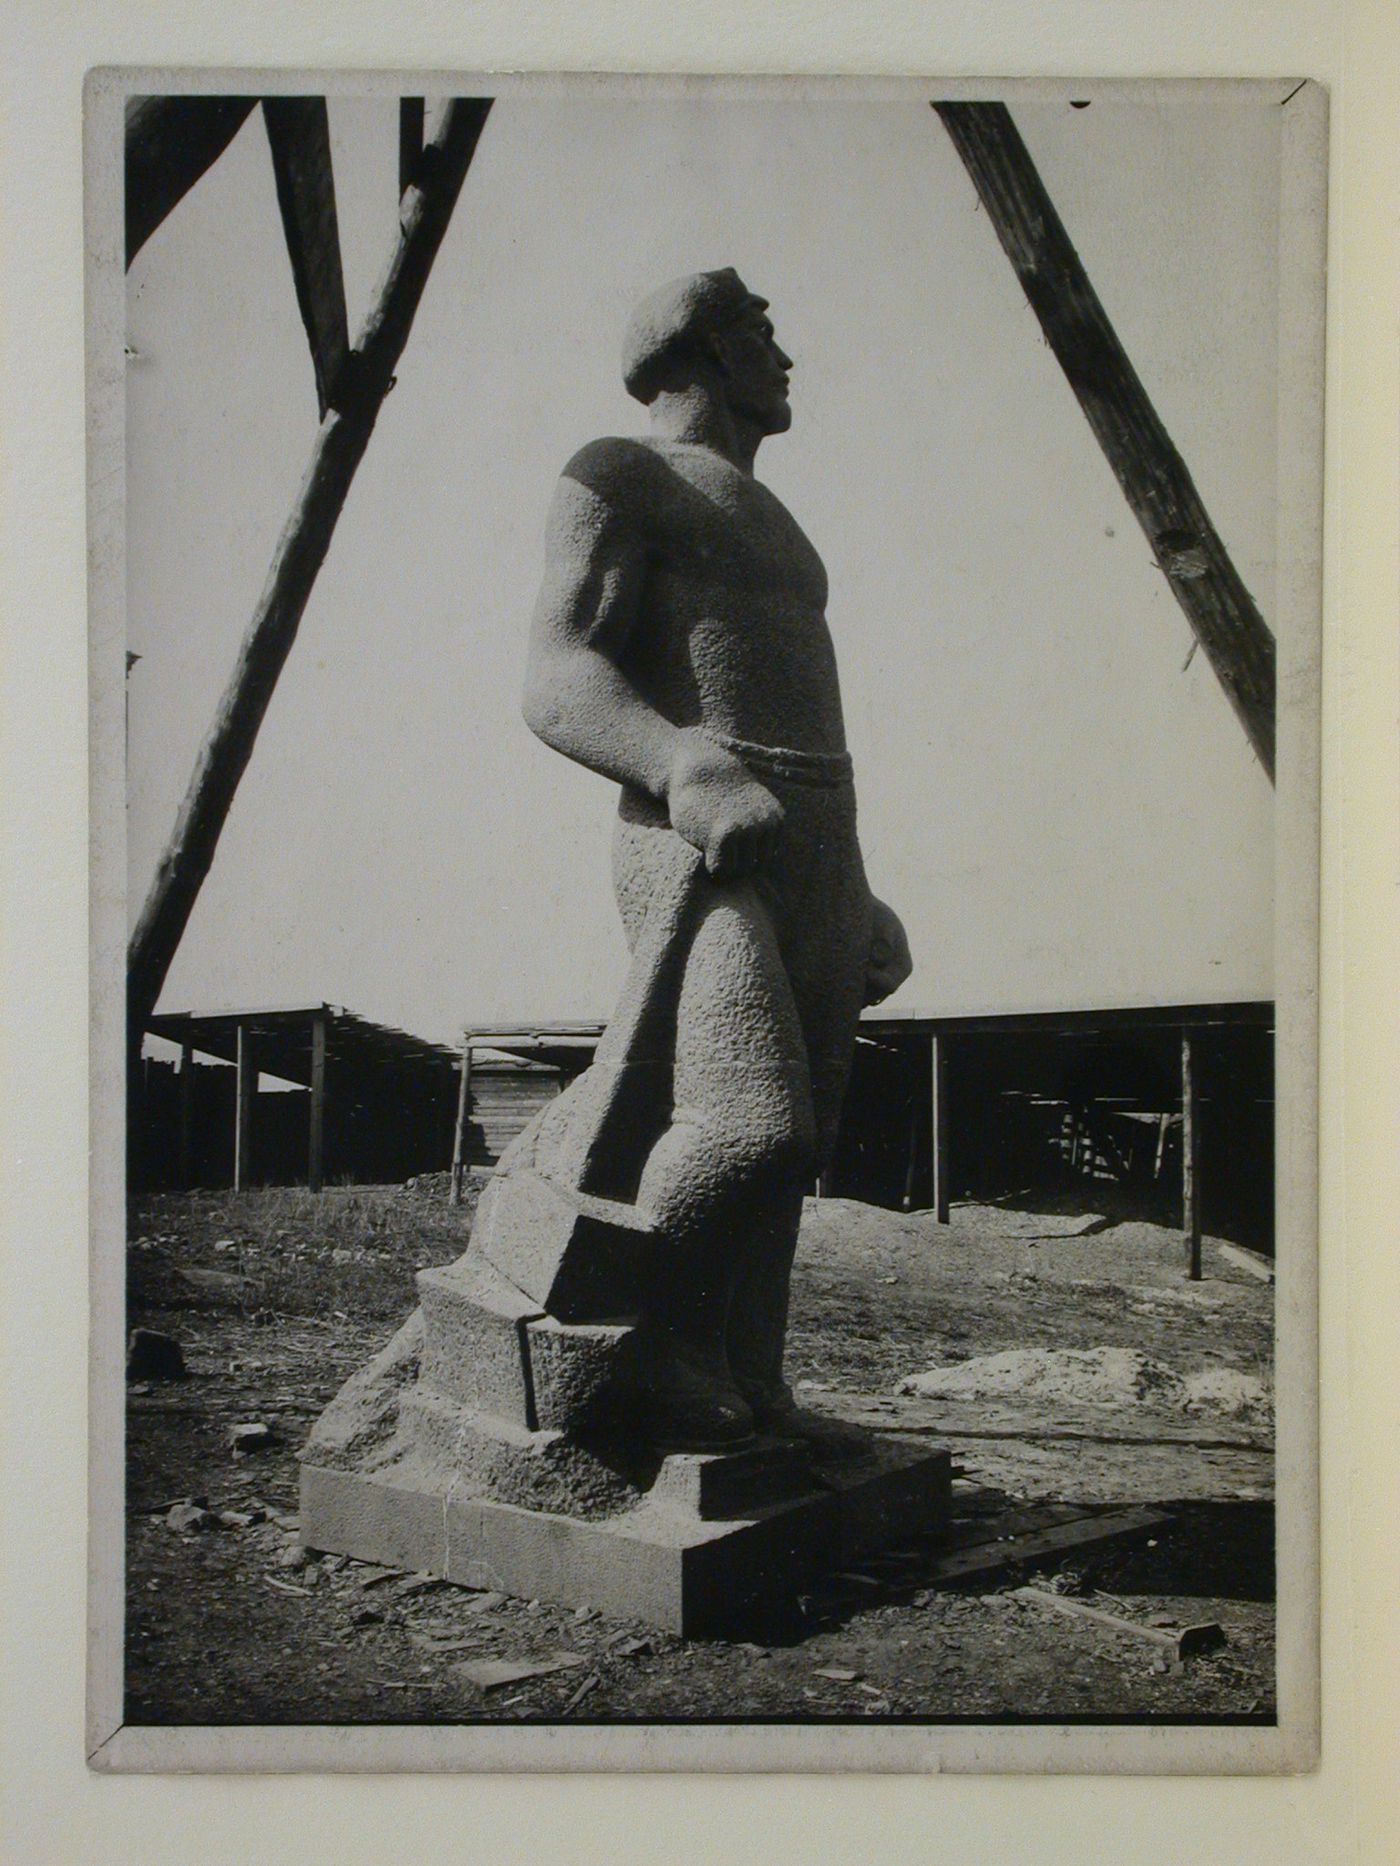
[490, 1444]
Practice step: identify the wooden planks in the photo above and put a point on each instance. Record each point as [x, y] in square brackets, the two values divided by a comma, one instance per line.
[987, 1556]
[1152, 474]
[1180, 1643]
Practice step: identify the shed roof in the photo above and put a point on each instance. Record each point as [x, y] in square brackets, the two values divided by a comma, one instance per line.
[570, 1045]
[281, 1037]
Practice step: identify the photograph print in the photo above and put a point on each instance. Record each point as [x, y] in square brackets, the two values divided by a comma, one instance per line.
[627, 1256]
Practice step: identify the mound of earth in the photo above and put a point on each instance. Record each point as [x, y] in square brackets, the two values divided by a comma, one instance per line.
[1092, 1377]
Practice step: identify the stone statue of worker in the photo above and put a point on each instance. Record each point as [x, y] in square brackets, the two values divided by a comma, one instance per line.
[680, 648]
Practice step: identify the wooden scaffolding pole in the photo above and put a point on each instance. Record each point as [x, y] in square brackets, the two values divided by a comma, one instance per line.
[340, 445]
[1191, 1152]
[299, 135]
[1151, 472]
[938, 1126]
[411, 118]
[316, 1112]
[185, 1166]
[170, 143]
[244, 1102]
[459, 1131]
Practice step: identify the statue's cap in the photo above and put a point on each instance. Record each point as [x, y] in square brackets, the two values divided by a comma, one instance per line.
[675, 317]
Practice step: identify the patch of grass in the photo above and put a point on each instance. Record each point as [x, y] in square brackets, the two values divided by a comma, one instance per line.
[282, 1250]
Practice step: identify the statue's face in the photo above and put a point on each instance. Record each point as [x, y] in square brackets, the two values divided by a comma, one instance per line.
[756, 371]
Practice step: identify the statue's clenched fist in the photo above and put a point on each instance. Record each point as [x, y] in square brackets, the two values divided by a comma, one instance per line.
[718, 806]
[889, 963]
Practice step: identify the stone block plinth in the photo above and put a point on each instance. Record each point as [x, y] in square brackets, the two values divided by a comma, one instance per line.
[662, 1561]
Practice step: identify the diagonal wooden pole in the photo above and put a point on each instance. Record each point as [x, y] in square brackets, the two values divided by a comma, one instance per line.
[340, 445]
[1151, 472]
[299, 136]
[170, 143]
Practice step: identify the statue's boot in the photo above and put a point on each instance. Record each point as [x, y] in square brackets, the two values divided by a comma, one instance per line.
[681, 1401]
[757, 1332]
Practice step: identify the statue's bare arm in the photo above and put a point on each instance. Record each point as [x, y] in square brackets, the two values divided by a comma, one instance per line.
[579, 700]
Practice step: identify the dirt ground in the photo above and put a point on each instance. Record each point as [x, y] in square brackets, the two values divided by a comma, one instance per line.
[277, 1295]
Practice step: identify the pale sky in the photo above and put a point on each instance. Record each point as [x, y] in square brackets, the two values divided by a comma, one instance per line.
[1064, 815]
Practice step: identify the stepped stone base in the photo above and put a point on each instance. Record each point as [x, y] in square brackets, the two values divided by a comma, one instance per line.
[493, 1443]
[666, 1562]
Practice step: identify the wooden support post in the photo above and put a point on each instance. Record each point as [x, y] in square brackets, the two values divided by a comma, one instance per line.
[186, 1116]
[340, 445]
[938, 1126]
[244, 1101]
[1191, 1152]
[1151, 472]
[411, 112]
[316, 1112]
[299, 135]
[170, 142]
[459, 1132]
[912, 1163]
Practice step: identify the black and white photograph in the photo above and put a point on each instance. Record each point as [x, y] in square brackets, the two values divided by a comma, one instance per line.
[608, 1253]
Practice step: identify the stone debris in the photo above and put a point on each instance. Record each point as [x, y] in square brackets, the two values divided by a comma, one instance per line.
[484, 1603]
[151, 1355]
[492, 1674]
[572, 1702]
[295, 1555]
[1115, 1377]
[189, 1519]
[250, 1436]
[838, 1673]
[418, 1584]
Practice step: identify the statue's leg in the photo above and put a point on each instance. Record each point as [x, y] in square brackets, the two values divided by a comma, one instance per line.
[726, 1178]
[823, 933]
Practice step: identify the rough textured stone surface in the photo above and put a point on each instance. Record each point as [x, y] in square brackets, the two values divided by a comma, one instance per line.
[723, 1486]
[473, 1338]
[625, 1294]
[360, 1422]
[497, 1458]
[575, 1371]
[681, 648]
[574, 1255]
[659, 1564]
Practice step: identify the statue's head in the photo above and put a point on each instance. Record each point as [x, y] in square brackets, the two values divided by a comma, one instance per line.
[709, 328]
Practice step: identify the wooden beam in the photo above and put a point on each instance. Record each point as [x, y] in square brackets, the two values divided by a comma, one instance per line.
[244, 1102]
[1151, 472]
[186, 1116]
[340, 445]
[912, 1162]
[1191, 1153]
[316, 1111]
[299, 134]
[459, 1131]
[170, 143]
[411, 113]
[938, 1127]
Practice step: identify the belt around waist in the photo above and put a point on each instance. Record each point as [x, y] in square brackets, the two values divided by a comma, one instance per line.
[823, 770]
